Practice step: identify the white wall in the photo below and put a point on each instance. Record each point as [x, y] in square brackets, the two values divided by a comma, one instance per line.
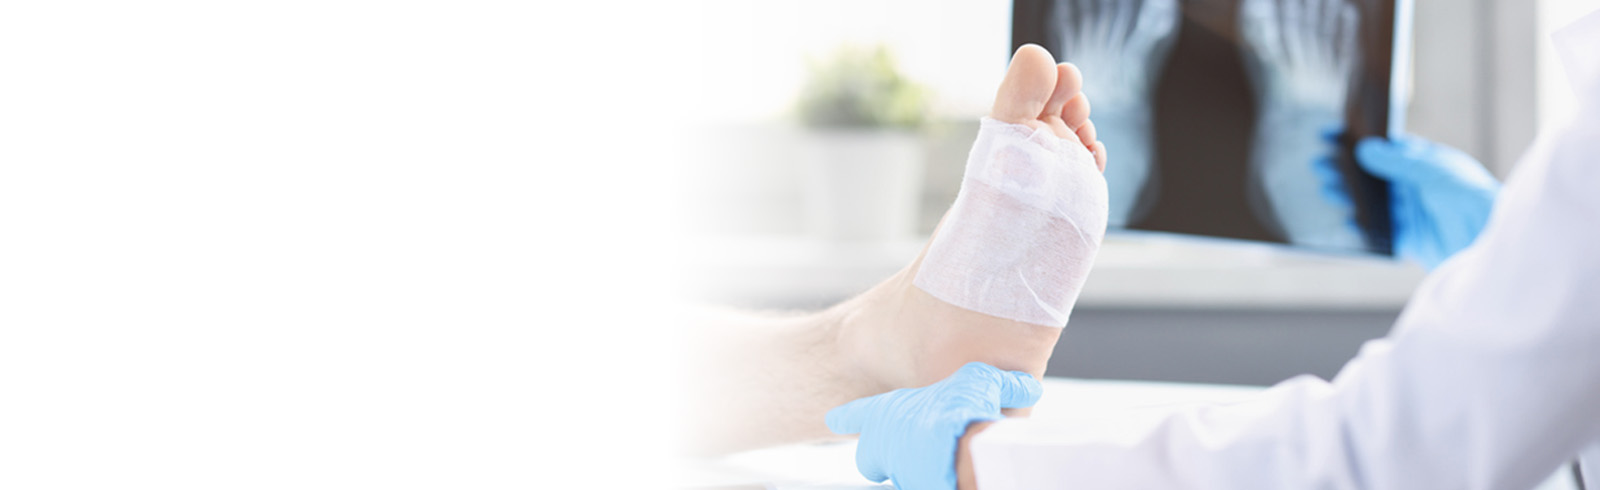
[1485, 77]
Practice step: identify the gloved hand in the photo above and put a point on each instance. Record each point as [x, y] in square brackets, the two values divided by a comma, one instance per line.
[910, 435]
[1440, 197]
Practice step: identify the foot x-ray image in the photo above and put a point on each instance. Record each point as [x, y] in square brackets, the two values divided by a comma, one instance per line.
[1234, 118]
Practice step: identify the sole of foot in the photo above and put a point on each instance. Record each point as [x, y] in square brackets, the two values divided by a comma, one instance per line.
[903, 337]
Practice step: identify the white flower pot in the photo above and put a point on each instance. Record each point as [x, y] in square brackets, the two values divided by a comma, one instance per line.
[863, 184]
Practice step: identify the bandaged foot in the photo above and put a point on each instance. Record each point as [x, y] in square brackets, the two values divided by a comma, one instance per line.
[1003, 270]
[994, 285]
[1023, 232]
[1121, 46]
[1300, 55]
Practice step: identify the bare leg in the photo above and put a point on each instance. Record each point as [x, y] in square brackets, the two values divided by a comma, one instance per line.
[765, 380]
[760, 379]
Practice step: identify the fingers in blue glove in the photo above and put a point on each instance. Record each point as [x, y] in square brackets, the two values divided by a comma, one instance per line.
[1395, 160]
[849, 418]
[1017, 389]
[1415, 160]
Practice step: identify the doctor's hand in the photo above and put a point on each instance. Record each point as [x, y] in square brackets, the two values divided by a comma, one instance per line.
[911, 435]
[1439, 197]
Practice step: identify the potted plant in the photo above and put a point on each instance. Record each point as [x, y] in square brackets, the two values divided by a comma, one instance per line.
[863, 178]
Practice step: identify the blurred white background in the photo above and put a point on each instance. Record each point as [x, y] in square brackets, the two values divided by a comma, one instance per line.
[336, 244]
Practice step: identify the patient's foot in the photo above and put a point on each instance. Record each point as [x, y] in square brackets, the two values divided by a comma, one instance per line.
[901, 335]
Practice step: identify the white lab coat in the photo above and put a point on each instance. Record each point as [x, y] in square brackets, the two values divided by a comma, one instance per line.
[1490, 379]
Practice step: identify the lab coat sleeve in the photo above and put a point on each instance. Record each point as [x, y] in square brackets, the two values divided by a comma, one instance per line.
[1490, 379]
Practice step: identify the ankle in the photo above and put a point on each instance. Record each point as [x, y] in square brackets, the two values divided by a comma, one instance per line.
[872, 344]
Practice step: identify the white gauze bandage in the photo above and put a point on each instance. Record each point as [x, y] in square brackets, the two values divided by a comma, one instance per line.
[1024, 230]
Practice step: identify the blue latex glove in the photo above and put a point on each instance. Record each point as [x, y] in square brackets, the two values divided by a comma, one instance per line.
[910, 435]
[1439, 197]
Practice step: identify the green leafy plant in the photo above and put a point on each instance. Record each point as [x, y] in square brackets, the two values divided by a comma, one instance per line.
[858, 87]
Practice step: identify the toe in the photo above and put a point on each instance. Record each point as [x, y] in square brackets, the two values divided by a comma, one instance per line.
[1076, 112]
[1086, 133]
[1069, 83]
[1099, 150]
[1029, 83]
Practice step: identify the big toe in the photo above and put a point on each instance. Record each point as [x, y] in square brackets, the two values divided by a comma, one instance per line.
[1026, 90]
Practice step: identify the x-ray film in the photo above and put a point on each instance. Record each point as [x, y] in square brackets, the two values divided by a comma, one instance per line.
[1236, 118]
